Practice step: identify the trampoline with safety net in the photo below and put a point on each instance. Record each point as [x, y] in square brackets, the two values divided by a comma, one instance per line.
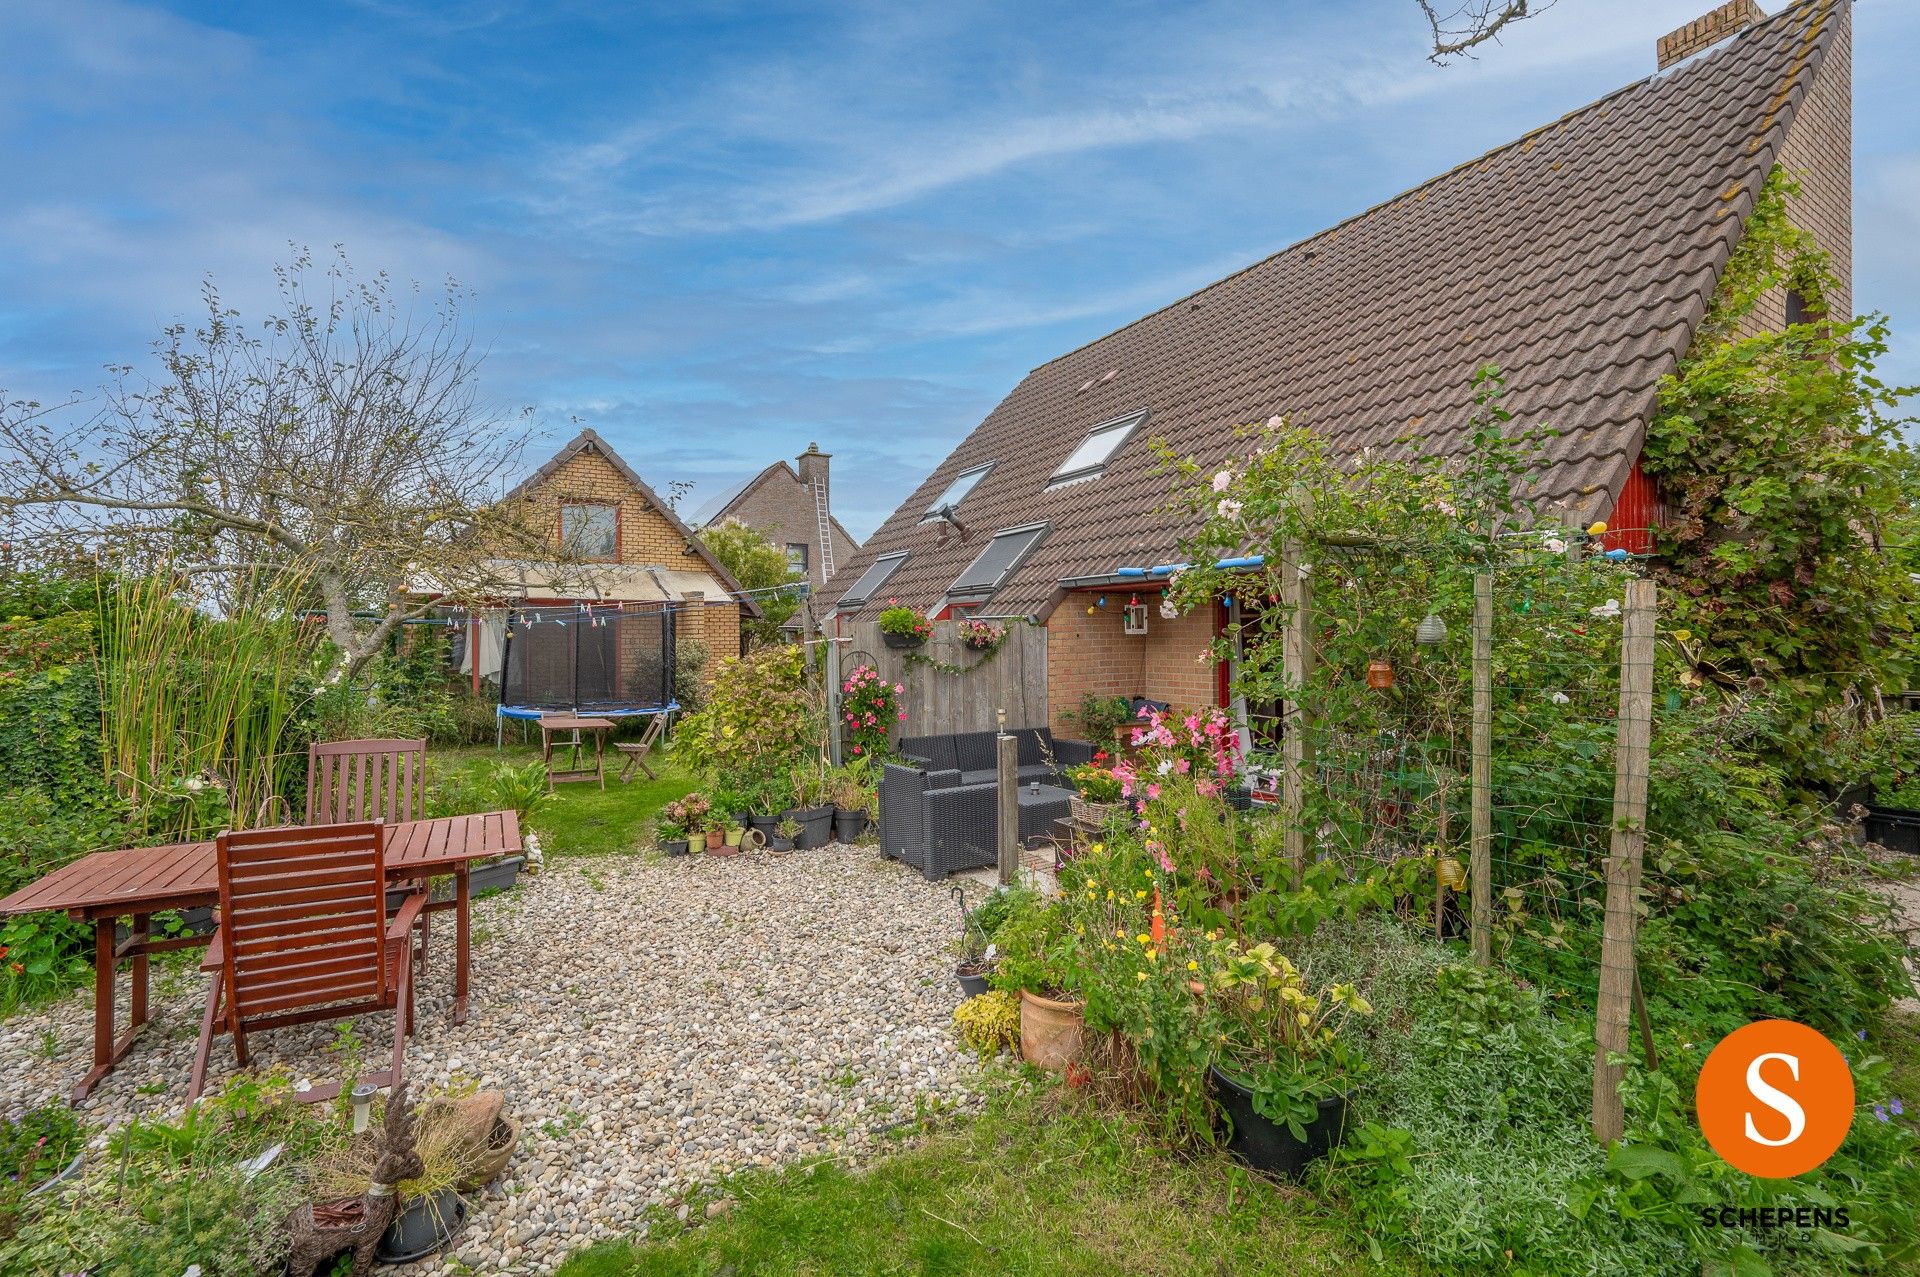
[597, 662]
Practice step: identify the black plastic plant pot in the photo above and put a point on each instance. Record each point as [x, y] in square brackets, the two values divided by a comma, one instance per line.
[848, 824]
[901, 641]
[1894, 828]
[971, 984]
[424, 1227]
[816, 826]
[1269, 1146]
[768, 824]
[497, 876]
[674, 846]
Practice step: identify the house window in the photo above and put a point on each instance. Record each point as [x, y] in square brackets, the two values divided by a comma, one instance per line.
[872, 579]
[590, 531]
[797, 558]
[995, 563]
[1090, 457]
[963, 483]
[1798, 310]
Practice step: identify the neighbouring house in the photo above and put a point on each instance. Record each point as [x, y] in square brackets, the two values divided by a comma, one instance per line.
[619, 548]
[1579, 258]
[791, 505]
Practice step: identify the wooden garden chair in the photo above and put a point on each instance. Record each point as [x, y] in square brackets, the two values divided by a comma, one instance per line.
[349, 780]
[304, 935]
[636, 751]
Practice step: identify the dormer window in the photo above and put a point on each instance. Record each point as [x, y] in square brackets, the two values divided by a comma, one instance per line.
[1090, 457]
[872, 580]
[590, 531]
[995, 563]
[956, 492]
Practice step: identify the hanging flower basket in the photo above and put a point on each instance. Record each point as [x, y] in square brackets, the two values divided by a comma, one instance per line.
[902, 641]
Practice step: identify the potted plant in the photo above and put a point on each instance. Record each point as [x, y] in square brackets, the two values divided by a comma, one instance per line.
[902, 627]
[974, 951]
[1105, 718]
[1097, 791]
[814, 816]
[850, 790]
[1284, 1072]
[1036, 961]
[981, 636]
[670, 829]
[784, 833]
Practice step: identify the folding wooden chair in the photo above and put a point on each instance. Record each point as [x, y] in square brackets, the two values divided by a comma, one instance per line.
[350, 780]
[304, 936]
[636, 751]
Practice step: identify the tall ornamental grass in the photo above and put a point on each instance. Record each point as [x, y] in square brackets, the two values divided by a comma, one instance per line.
[195, 708]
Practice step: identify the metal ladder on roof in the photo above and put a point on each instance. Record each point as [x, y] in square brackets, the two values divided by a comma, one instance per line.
[826, 530]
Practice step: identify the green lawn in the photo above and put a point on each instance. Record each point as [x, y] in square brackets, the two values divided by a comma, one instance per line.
[1041, 1185]
[582, 820]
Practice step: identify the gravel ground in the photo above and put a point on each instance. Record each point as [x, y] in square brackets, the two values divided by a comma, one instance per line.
[654, 1026]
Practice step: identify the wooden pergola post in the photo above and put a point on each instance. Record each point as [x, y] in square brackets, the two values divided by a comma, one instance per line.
[1296, 595]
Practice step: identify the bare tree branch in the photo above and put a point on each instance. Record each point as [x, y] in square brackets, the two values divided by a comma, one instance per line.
[1473, 23]
[343, 439]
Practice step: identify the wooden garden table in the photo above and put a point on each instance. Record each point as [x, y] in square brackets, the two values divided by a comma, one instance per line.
[137, 883]
[552, 725]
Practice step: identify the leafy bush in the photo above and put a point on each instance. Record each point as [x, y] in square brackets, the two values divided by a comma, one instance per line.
[990, 1023]
[762, 719]
[1036, 953]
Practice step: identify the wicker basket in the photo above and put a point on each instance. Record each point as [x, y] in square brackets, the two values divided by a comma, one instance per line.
[1089, 814]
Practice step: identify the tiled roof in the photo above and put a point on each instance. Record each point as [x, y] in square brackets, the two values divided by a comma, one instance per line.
[589, 441]
[1578, 258]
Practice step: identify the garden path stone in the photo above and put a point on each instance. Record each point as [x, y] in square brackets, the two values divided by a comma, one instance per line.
[656, 1025]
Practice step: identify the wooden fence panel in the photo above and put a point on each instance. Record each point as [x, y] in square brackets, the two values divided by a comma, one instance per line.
[936, 700]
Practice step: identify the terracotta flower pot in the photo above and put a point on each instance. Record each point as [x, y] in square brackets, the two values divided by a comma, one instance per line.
[1050, 1031]
[716, 840]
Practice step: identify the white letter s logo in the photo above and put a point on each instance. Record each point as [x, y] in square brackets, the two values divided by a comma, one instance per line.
[1777, 1100]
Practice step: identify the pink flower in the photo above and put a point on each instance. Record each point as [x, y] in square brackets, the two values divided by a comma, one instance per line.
[1153, 790]
[856, 749]
[898, 690]
[903, 716]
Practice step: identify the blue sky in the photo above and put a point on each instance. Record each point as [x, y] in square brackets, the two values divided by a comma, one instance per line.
[717, 231]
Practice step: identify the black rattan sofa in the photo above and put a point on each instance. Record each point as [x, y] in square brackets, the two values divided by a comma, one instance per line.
[938, 810]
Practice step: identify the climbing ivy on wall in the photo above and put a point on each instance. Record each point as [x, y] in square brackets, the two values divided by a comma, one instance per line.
[1783, 468]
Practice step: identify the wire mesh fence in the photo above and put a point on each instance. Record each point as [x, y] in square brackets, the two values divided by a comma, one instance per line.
[1504, 733]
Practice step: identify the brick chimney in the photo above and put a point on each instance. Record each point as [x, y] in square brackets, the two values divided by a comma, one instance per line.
[1728, 20]
[812, 466]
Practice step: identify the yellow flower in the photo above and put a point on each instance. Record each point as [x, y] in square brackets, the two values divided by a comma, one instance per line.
[1139, 975]
[1097, 848]
[1143, 937]
[1120, 933]
[1139, 895]
[1109, 893]
[1193, 966]
[1153, 955]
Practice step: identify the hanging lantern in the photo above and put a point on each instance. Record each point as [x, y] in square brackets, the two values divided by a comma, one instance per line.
[1380, 673]
[1432, 630]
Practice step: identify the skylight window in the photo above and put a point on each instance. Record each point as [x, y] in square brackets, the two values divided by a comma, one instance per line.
[963, 483]
[1094, 451]
[996, 562]
[872, 579]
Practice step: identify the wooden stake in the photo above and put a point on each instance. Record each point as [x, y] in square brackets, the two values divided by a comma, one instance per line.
[1008, 793]
[1618, 974]
[1296, 595]
[1480, 866]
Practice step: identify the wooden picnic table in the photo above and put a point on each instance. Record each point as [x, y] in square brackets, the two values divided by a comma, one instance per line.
[552, 725]
[139, 882]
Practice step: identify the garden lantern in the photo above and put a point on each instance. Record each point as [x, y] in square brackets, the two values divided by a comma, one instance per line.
[362, 1105]
[1379, 673]
[1432, 630]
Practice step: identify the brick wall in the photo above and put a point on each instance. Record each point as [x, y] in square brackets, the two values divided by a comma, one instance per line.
[1818, 151]
[1090, 653]
[782, 509]
[1708, 28]
[646, 536]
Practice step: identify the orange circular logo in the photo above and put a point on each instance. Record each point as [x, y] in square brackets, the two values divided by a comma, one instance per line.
[1775, 1099]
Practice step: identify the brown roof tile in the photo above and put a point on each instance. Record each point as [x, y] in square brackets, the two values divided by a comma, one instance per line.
[1579, 259]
